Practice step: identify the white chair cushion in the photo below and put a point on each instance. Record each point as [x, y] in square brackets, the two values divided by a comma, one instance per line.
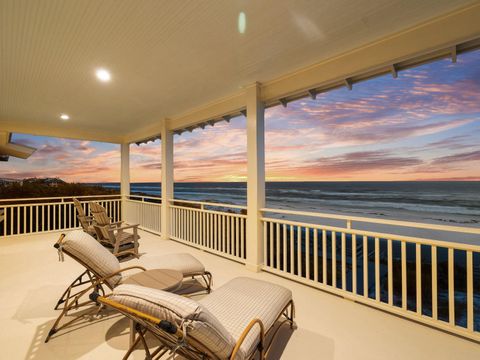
[185, 263]
[93, 254]
[201, 324]
[243, 299]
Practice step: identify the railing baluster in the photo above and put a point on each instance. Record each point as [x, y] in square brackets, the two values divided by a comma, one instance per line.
[37, 209]
[451, 287]
[270, 239]
[299, 250]
[64, 225]
[377, 269]
[242, 238]
[365, 266]
[292, 251]
[54, 215]
[5, 221]
[191, 214]
[344, 262]
[307, 253]
[215, 231]
[324, 257]
[209, 233]
[434, 284]
[25, 219]
[238, 253]
[12, 217]
[183, 224]
[354, 264]
[278, 245]
[315, 255]
[265, 248]
[390, 271]
[334, 259]
[418, 268]
[404, 274]
[224, 237]
[31, 219]
[18, 220]
[470, 290]
[229, 237]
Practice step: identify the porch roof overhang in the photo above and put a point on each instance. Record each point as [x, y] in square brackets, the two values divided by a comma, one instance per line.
[188, 65]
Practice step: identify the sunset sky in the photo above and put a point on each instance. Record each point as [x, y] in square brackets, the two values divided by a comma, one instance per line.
[424, 125]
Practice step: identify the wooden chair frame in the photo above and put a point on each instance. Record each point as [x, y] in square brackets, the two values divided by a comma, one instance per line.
[173, 339]
[84, 220]
[114, 231]
[110, 234]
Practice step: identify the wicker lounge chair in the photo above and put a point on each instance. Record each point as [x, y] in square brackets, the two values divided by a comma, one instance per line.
[103, 273]
[113, 235]
[232, 322]
[85, 221]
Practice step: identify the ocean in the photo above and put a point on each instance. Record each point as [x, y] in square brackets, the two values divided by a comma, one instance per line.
[447, 202]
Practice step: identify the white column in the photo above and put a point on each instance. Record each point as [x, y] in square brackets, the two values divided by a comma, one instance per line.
[167, 178]
[255, 177]
[124, 175]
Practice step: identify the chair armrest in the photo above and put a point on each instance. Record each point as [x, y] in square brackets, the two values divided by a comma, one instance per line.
[128, 227]
[165, 325]
[244, 334]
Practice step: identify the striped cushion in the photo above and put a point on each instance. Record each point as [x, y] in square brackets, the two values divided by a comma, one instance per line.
[202, 326]
[93, 254]
[243, 299]
[185, 263]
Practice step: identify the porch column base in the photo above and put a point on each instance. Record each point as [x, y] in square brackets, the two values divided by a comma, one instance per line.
[253, 267]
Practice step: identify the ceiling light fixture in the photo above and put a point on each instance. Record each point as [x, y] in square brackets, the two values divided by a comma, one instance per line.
[103, 75]
[242, 22]
[64, 117]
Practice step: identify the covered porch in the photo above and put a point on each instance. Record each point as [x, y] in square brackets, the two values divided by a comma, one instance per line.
[365, 288]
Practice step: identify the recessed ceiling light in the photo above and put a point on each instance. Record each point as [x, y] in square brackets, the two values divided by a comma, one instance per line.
[64, 117]
[103, 75]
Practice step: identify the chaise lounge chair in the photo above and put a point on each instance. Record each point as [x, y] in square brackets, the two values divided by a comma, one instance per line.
[232, 322]
[103, 272]
[113, 235]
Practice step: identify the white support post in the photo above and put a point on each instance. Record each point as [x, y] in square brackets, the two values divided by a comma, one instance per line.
[167, 178]
[124, 176]
[255, 177]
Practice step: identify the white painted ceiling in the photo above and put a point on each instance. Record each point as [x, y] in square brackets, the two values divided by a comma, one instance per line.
[167, 57]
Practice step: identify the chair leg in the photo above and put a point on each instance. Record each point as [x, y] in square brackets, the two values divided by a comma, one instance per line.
[71, 303]
[209, 283]
[289, 314]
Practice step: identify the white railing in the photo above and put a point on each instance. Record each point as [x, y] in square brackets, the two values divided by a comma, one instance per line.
[218, 228]
[418, 277]
[35, 215]
[145, 211]
[426, 280]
